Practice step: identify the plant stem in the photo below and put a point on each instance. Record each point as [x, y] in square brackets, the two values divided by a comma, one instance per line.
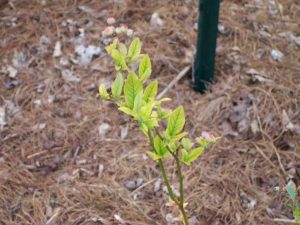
[181, 191]
[178, 201]
[167, 182]
[163, 171]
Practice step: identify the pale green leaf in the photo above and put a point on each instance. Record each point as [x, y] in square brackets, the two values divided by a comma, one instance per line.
[151, 91]
[160, 146]
[112, 46]
[134, 50]
[291, 190]
[176, 121]
[103, 92]
[179, 136]
[185, 157]
[146, 110]
[153, 155]
[162, 113]
[195, 154]
[187, 143]
[117, 86]
[127, 111]
[123, 49]
[151, 122]
[119, 60]
[138, 102]
[145, 68]
[133, 86]
[144, 129]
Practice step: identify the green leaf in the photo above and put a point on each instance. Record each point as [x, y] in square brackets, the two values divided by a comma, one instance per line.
[123, 49]
[127, 111]
[291, 190]
[119, 60]
[117, 86]
[185, 157]
[153, 155]
[145, 69]
[138, 102]
[176, 121]
[187, 143]
[161, 113]
[134, 50]
[133, 86]
[144, 129]
[146, 110]
[296, 212]
[112, 46]
[103, 92]
[151, 122]
[151, 91]
[160, 146]
[195, 153]
[179, 136]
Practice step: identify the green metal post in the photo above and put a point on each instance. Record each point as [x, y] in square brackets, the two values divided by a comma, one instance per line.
[206, 44]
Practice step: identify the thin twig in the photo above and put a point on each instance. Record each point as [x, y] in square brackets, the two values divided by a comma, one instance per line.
[173, 82]
[286, 221]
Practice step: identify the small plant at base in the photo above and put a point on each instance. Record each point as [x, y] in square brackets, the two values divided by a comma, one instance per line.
[292, 193]
[138, 100]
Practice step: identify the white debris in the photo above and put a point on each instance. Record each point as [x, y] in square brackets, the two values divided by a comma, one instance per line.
[12, 72]
[45, 40]
[277, 55]
[81, 162]
[69, 76]
[169, 217]
[2, 117]
[103, 129]
[222, 29]
[145, 157]
[260, 53]
[39, 126]
[100, 170]
[119, 219]
[63, 61]
[51, 99]
[156, 21]
[157, 185]
[37, 102]
[81, 32]
[195, 27]
[20, 60]
[273, 9]
[254, 126]
[134, 183]
[86, 9]
[291, 37]
[86, 54]
[251, 204]
[124, 132]
[286, 122]
[258, 76]
[57, 50]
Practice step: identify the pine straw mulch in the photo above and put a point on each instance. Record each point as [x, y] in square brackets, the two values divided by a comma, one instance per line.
[56, 169]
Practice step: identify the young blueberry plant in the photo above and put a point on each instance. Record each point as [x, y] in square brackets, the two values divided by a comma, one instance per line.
[136, 96]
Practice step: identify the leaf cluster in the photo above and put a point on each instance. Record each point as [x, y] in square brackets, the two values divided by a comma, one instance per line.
[136, 96]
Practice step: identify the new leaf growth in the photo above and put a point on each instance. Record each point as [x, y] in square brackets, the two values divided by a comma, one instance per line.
[136, 96]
